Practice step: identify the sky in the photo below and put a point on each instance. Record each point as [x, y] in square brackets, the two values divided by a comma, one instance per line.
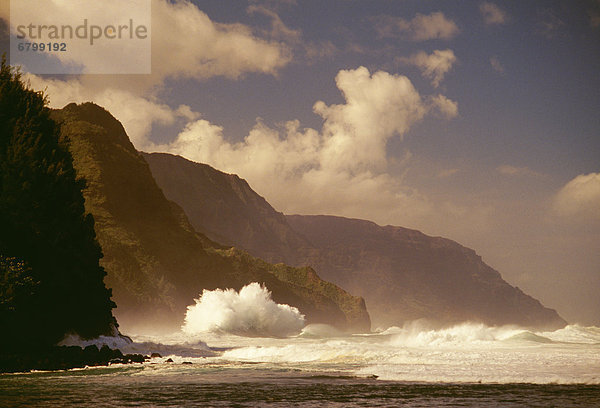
[473, 120]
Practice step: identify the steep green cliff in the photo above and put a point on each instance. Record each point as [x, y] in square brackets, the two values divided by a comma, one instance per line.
[402, 274]
[156, 262]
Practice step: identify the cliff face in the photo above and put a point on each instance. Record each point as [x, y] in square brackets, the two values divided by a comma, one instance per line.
[156, 262]
[225, 208]
[402, 274]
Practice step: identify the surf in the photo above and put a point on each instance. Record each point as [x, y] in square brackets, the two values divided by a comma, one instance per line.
[249, 312]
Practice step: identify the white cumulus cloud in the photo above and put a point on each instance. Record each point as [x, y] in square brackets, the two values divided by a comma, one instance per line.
[343, 167]
[186, 43]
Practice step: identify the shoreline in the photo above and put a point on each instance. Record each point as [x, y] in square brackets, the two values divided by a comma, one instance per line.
[64, 358]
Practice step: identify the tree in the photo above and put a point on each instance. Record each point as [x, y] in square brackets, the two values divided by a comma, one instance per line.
[46, 238]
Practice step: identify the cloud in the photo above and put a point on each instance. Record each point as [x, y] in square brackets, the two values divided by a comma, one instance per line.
[186, 43]
[343, 167]
[377, 107]
[292, 38]
[580, 198]
[492, 14]
[137, 113]
[420, 28]
[513, 171]
[274, 4]
[199, 48]
[496, 65]
[94, 54]
[433, 66]
[353, 137]
[323, 49]
[447, 173]
[445, 106]
[278, 29]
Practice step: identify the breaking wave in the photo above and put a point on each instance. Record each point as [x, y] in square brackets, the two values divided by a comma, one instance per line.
[467, 352]
[321, 331]
[467, 334]
[416, 352]
[251, 312]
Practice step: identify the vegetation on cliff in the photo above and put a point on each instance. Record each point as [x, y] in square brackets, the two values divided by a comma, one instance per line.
[156, 261]
[402, 274]
[51, 282]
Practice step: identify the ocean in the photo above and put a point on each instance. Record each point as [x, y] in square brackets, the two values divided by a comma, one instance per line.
[466, 365]
[249, 353]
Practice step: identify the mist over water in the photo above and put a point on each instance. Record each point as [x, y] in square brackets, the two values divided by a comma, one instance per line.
[243, 349]
[229, 331]
[465, 353]
[233, 329]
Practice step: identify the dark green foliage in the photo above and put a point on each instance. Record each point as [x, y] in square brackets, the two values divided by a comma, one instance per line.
[44, 225]
[17, 286]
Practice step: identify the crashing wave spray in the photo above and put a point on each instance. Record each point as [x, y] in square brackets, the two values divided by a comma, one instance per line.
[251, 312]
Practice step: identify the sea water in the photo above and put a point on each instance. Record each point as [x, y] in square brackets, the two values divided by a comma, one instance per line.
[232, 358]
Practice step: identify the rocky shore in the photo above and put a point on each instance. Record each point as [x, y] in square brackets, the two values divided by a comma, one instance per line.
[64, 358]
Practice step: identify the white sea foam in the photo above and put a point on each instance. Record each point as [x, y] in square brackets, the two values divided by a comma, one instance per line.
[575, 333]
[317, 330]
[251, 312]
[463, 353]
[465, 334]
[415, 352]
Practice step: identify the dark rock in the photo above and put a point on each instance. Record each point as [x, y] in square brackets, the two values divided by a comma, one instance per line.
[135, 358]
[105, 353]
[63, 358]
[170, 360]
[90, 355]
[155, 355]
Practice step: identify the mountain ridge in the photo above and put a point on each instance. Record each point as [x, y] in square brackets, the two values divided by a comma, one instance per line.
[426, 277]
[189, 183]
[156, 262]
[401, 273]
